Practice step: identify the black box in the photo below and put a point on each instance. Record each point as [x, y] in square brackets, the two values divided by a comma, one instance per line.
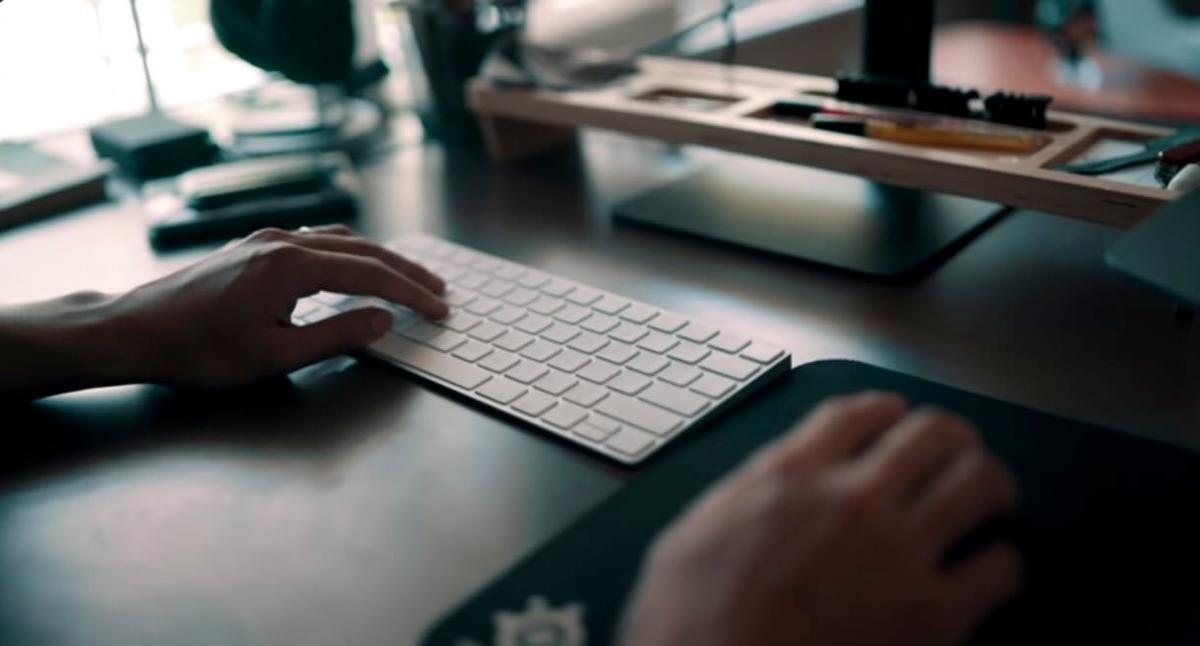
[153, 145]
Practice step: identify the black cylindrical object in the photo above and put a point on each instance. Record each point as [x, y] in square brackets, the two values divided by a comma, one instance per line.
[898, 39]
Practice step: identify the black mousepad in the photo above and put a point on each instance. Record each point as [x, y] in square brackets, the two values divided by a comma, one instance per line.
[1107, 525]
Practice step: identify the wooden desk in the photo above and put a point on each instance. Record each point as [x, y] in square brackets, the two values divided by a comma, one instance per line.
[352, 506]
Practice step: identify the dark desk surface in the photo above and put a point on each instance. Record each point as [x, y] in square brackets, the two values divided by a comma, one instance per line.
[353, 506]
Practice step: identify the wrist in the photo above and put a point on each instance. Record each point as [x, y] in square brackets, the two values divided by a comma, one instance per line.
[79, 341]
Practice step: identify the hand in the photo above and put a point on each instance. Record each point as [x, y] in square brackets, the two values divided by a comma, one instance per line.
[226, 320]
[836, 536]
[221, 322]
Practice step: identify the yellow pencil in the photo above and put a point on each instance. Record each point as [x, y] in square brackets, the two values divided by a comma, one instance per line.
[930, 134]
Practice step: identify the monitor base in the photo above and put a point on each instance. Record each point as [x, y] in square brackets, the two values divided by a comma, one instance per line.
[818, 216]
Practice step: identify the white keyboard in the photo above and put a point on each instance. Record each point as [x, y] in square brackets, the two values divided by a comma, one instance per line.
[617, 376]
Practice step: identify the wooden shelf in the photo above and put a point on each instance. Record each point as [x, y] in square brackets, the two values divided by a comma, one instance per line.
[729, 108]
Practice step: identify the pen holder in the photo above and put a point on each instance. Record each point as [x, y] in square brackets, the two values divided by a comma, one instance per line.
[444, 45]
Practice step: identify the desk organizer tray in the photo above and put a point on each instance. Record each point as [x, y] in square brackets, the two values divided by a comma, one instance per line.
[731, 108]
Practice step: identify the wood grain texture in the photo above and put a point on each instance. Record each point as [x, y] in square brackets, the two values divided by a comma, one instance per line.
[1025, 181]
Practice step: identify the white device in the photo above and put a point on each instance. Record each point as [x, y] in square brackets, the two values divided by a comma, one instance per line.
[619, 377]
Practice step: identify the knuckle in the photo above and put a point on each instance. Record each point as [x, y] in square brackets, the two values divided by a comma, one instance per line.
[942, 426]
[269, 234]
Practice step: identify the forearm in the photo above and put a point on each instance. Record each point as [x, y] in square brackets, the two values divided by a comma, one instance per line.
[70, 343]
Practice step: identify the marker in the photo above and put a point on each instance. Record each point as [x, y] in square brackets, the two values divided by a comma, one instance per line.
[930, 134]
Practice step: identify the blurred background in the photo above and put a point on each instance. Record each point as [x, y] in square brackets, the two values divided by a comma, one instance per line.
[69, 63]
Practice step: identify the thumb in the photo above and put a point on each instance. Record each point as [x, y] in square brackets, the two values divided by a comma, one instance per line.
[346, 332]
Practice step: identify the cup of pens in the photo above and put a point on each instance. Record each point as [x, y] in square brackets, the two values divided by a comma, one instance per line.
[444, 43]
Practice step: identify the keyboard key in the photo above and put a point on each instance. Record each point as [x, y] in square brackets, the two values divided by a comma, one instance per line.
[668, 322]
[499, 361]
[606, 423]
[629, 333]
[629, 383]
[599, 323]
[431, 362]
[509, 272]
[458, 297]
[586, 394]
[588, 343]
[513, 341]
[547, 305]
[521, 296]
[689, 352]
[485, 264]
[446, 341]
[560, 333]
[305, 307]
[527, 372]
[483, 306]
[462, 256]
[319, 313]
[639, 414]
[534, 324]
[473, 281]
[680, 374]
[610, 304]
[592, 432]
[674, 399]
[730, 343]
[732, 367]
[556, 383]
[762, 353]
[658, 343]
[648, 364]
[599, 372]
[540, 351]
[573, 314]
[507, 315]
[403, 320]
[496, 288]
[534, 403]
[486, 331]
[558, 288]
[569, 361]
[502, 391]
[460, 321]
[329, 298]
[472, 351]
[422, 332]
[584, 295]
[618, 353]
[638, 313]
[533, 280]
[630, 442]
[565, 416]
[711, 385]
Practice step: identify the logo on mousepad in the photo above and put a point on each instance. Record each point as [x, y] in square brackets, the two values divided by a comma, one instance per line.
[539, 624]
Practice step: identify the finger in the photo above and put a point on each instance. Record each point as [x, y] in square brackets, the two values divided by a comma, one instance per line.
[984, 581]
[346, 332]
[329, 229]
[362, 276]
[974, 488]
[351, 244]
[841, 427]
[917, 449]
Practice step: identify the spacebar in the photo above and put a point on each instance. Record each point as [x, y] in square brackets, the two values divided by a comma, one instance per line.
[416, 356]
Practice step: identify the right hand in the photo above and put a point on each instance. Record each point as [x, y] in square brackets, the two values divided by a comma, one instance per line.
[836, 536]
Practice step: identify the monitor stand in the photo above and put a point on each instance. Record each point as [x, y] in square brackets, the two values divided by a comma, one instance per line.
[819, 216]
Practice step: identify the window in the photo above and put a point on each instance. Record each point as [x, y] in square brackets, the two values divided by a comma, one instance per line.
[69, 63]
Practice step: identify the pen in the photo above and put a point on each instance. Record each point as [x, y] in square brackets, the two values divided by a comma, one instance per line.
[930, 134]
